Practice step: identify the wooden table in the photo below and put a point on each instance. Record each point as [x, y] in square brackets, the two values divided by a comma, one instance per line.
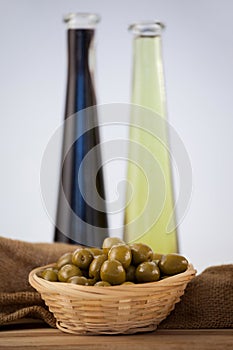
[35, 336]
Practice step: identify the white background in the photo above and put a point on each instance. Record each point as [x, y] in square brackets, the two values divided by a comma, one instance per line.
[198, 62]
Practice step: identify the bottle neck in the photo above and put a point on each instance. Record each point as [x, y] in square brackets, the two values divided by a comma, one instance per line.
[81, 58]
[148, 88]
[80, 47]
[80, 85]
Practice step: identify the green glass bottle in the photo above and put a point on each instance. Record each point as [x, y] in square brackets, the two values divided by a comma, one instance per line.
[150, 205]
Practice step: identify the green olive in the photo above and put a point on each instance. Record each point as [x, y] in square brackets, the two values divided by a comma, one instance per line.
[96, 251]
[82, 258]
[127, 283]
[68, 271]
[109, 242]
[94, 268]
[78, 280]
[102, 284]
[112, 272]
[130, 273]
[157, 256]
[163, 277]
[147, 271]
[49, 275]
[172, 264]
[64, 259]
[141, 252]
[121, 253]
[85, 273]
[91, 281]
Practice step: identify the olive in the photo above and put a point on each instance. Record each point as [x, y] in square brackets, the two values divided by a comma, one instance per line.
[68, 271]
[116, 263]
[121, 253]
[113, 272]
[78, 280]
[64, 259]
[163, 277]
[172, 264]
[91, 281]
[109, 242]
[96, 251]
[49, 275]
[94, 268]
[85, 273]
[82, 258]
[102, 284]
[147, 271]
[141, 252]
[130, 273]
[157, 256]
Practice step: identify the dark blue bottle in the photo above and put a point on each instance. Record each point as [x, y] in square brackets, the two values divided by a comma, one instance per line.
[81, 213]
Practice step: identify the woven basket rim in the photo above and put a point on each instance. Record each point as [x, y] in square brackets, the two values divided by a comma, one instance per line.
[86, 292]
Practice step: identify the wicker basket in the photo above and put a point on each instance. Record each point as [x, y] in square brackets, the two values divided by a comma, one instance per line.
[124, 309]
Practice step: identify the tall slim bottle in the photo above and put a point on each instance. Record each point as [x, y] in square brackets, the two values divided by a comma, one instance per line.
[81, 212]
[149, 167]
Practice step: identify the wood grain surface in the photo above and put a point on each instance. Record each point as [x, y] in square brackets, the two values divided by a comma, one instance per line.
[48, 338]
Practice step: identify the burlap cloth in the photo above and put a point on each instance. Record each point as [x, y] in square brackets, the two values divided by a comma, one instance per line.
[207, 302]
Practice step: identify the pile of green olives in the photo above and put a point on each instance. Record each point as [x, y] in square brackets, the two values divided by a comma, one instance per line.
[116, 263]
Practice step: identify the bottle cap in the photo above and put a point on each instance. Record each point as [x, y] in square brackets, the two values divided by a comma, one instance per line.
[147, 28]
[81, 20]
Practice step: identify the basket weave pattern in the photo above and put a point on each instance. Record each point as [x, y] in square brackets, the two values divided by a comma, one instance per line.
[124, 309]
